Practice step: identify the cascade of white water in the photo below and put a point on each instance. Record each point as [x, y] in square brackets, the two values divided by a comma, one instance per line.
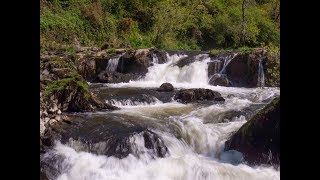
[155, 59]
[195, 148]
[227, 60]
[217, 64]
[113, 63]
[260, 74]
[195, 72]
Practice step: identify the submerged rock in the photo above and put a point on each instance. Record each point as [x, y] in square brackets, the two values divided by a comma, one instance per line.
[122, 146]
[219, 80]
[259, 138]
[167, 87]
[118, 139]
[192, 95]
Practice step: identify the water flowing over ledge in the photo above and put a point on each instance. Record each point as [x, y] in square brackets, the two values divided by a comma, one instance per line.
[194, 133]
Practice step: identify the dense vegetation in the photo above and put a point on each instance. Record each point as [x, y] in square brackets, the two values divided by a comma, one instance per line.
[166, 24]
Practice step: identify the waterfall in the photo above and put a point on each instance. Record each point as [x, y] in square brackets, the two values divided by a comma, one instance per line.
[260, 74]
[155, 59]
[113, 63]
[216, 66]
[227, 60]
[217, 63]
[195, 72]
[195, 142]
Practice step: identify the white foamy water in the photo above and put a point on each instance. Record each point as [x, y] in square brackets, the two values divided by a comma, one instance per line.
[113, 63]
[192, 75]
[185, 160]
[194, 134]
[129, 103]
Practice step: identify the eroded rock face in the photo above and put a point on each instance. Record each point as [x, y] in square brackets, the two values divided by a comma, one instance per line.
[193, 95]
[166, 87]
[219, 80]
[242, 70]
[118, 138]
[121, 147]
[115, 77]
[135, 62]
[160, 54]
[259, 138]
[87, 69]
[62, 89]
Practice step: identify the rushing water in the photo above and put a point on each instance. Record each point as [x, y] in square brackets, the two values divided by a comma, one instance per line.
[193, 133]
[155, 59]
[260, 74]
[113, 63]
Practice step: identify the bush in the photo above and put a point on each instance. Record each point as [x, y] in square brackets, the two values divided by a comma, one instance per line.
[166, 24]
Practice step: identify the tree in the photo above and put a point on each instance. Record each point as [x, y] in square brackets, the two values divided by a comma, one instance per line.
[243, 23]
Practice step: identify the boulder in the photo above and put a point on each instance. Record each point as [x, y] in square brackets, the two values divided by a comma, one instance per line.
[87, 69]
[243, 71]
[259, 138]
[115, 77]
[193, 95]
[219, 80]
[135, 62]
[191, 59]
[166, 87]
[118, 139]
[121, 147]
[214, 67]
[160, 54]
[132, 99]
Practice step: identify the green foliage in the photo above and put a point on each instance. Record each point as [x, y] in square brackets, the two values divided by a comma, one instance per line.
[167, 24]
[244, 49]
[74, 81]
[274, 72]
[218, 51]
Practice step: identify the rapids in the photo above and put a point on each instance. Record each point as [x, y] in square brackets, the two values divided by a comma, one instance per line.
[193, 133]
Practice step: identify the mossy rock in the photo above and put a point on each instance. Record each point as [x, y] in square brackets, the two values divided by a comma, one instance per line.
[259, 138]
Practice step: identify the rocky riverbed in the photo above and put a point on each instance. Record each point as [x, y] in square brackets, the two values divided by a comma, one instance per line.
[132, 113]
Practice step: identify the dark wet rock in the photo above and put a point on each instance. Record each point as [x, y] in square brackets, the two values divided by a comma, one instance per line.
[134, 94]
[160, 54]
[259, 138]
[43, 176]
[191, 59]
[135, 62]
[62, 89]
[102, 62]
[193, 95]
[167, 87]
[214, 67]
[154, 142]
[115, 77]
[121, 147]
[87, 69]
[219, 80]
[133, 99]
[242, 71]
[116, 138]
